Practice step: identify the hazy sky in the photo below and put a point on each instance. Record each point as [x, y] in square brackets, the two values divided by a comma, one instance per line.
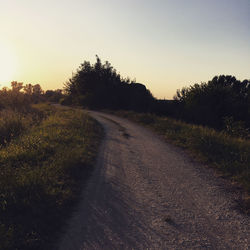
[164, 44]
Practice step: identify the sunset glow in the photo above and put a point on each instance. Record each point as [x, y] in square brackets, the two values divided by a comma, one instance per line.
[8, 65]
[165, 45]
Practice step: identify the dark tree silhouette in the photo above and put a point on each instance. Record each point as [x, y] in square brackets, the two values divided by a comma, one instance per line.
[100, 86]
[210, 103]
[53, 95]
[220, 103]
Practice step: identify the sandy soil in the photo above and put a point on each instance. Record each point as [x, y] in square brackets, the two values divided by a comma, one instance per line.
[146, 194]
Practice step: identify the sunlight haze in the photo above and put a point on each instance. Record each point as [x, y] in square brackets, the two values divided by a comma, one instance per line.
[165, 45]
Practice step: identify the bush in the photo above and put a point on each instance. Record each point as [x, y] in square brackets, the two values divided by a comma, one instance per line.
[100, 86]
[236, 128]
[209, 103]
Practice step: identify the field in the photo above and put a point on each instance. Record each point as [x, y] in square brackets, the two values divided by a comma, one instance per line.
[44, 162]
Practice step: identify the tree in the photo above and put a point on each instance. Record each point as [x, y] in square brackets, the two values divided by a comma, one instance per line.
[37, 90]
[16, 86]
[100, 86]
[209, 103]
[28, 89]
[53, 95]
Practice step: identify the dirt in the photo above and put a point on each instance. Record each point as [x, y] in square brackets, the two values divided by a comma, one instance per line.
[147, 194]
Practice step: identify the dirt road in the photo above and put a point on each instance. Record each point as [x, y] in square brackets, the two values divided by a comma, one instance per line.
[146, 194]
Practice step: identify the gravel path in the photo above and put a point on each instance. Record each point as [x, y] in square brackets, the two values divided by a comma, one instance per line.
[146, 194]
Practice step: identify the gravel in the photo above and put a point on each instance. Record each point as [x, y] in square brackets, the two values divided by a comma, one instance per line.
[147, 194]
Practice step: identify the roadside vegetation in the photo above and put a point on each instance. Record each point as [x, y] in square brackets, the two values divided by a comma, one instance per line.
[16, 111]
[42, 172]
[230, 155]
[212, 120]
[222, 103]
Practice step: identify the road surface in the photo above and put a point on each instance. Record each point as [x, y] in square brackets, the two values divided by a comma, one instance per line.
[146, 194]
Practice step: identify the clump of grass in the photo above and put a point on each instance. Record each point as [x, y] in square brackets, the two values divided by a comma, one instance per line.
[41, 175]
[13, 122]
[11, 125]
[231, 155]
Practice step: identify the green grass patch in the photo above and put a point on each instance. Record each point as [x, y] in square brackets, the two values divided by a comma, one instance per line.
[41, 176]
[230, 155]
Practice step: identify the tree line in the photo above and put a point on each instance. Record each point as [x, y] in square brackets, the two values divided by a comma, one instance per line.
[222, 103]
[215, 103]
[20, 96]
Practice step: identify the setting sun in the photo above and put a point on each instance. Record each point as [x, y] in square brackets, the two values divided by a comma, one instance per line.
[8, 65]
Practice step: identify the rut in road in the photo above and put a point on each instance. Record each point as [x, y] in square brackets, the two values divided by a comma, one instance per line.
[146, 194]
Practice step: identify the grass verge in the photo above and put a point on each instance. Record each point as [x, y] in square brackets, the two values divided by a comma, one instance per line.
[229, 155]
[41, 176]
[14, 123]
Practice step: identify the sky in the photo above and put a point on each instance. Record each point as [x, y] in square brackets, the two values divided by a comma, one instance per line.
[165, 45]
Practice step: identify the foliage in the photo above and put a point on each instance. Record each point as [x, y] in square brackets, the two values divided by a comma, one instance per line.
[14, 100]
[16, 114]
[12, 123]
[40, 177]
[210, 103]
[20, 96]
[100, 86]
[236, 128]
[32, 93]
[53, 95]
